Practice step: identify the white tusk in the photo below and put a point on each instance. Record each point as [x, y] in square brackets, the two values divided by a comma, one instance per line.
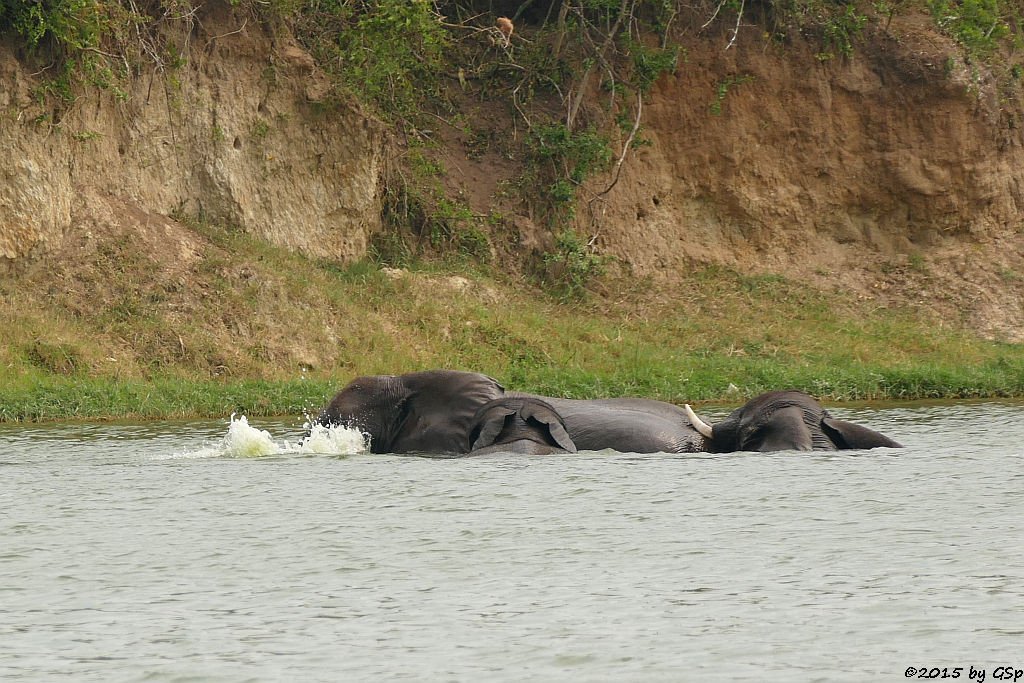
[698, 424]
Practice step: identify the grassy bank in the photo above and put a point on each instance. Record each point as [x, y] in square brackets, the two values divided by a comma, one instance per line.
[246, 327]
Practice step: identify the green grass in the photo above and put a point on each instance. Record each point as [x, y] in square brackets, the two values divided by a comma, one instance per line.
[40, 398]
[258, 330]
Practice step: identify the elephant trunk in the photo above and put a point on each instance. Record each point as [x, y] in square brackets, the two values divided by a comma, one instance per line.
[700, 425]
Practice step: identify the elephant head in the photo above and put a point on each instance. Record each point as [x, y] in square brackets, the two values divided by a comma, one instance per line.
[519, 425]
[785, 420]
[419, 412]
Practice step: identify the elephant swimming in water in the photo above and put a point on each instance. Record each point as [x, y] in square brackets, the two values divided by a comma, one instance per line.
[628, 425]
[785, 420]
[436, 411]
[519, 425]
[420, 412]
[453, 412]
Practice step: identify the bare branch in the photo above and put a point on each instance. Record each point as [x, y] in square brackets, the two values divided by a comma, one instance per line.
[625, 147]
[736, 30]
[231, 33]
[715, 14]
[574, 107]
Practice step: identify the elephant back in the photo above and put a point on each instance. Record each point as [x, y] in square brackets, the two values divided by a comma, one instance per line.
[628, 425]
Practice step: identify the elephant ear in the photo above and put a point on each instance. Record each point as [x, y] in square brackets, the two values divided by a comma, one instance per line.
[544, 414]
[785, 430]
[848, 435]
[490, 425]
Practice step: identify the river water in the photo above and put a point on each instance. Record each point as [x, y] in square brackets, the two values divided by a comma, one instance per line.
[174, 551]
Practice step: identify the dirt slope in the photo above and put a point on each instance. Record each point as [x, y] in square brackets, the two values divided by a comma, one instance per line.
[882, 174]
[894, 174]
[245, 129]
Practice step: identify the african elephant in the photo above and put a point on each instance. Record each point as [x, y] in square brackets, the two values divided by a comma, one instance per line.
[419, 412]
[784, 420]
[629, 425]
[519, 425]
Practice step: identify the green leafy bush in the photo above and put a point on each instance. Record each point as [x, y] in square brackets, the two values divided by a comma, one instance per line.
[979, 25]
[572, 156]
[571, 266]
[390, 52]
[841, 28]
[650, 63]
[70, 24]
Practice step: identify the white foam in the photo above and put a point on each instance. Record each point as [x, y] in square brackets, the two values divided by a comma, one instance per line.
[337, 440]
[245, 441]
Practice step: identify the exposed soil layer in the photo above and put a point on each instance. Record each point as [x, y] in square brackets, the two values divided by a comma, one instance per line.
[881, 174]
[245, 130]
[894, 174]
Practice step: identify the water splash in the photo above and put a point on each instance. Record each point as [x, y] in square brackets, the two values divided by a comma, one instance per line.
[245, 441]
[337, 440]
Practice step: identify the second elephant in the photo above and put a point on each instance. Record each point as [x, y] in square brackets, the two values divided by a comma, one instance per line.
[628, 425]
[785, 420]
[519, 425]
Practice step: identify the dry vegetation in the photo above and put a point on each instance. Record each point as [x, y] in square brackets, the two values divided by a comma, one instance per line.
[232, 324]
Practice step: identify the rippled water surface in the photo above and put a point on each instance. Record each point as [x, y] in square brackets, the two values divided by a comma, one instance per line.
[155, 552]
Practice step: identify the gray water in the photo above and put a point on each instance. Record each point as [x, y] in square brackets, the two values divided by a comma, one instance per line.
[136, 552]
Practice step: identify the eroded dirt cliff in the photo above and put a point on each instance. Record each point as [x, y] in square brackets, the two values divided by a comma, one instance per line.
[245, 129]
[894, 173]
